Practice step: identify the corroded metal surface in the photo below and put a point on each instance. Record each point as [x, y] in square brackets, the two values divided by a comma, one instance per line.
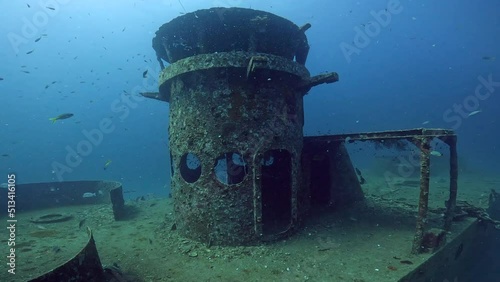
[211, 115]
[230, 29]
[252, 63]
[235, 59]
[342, 185]
[423, 201]
[85, 266]
[238, 64]
[42, 195]
[420, 137]
[386, 135]
[235, 87]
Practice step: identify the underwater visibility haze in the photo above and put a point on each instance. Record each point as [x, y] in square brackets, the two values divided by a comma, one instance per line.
[72, 108]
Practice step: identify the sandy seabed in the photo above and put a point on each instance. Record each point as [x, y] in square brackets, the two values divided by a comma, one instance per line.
[367, 242]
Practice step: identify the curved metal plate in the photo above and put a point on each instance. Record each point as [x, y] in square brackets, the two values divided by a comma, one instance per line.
[228, 29]
[85, 266]
[33, 196]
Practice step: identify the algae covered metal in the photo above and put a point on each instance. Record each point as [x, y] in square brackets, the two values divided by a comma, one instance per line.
[235, 85]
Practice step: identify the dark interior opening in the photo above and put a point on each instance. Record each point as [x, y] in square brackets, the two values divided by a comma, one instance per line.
[190, 167]
[320, 181]
[276, 187]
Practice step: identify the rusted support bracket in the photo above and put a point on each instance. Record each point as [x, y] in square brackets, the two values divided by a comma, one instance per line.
[423, 202]
[422, 138]
[330, 77]
[255, 63]
[153, 95]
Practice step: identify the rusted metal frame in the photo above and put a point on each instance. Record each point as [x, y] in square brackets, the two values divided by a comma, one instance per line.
[423, 202]
[385, 135]
[257, 193]
[422, 138]
[452, 200]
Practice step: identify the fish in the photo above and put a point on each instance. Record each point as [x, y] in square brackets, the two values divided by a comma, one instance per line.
[436, 153]
[488, 58]
[145, 74]
[29, 52]
[51, 8]
[1, 78]
[5, 155]
[474, 113]
[88, 195]
[425, 122]
[38, 39]
[362, 180]
[357, 171]
[61, 116]
[108, 162]
[28, 5]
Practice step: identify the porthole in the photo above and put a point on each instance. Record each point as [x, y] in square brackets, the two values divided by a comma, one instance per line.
[230, 168]
[190, 167]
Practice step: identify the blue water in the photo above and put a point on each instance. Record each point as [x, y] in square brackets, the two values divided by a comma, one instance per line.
[416, 67]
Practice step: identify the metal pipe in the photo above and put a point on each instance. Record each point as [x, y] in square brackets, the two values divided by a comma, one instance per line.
[423, 203]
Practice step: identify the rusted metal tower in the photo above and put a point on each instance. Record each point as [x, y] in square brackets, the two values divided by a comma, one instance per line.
[235, 85]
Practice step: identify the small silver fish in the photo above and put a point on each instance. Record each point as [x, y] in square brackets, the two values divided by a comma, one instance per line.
[88, 195]
[436, 153]
[474, 113]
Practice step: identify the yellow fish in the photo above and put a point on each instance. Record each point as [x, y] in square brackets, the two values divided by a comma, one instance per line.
[108, 162]
[63, 116]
